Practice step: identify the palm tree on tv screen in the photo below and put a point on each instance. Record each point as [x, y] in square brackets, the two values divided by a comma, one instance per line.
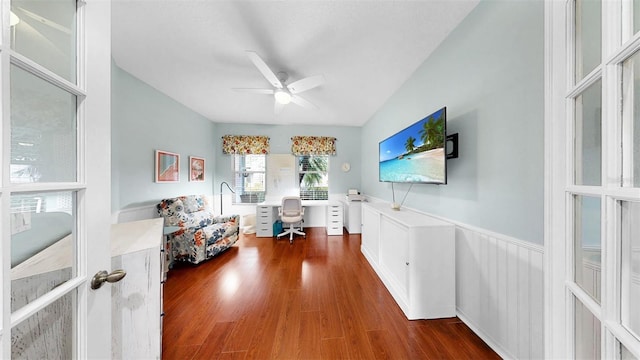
[432, 133]
[410, 145]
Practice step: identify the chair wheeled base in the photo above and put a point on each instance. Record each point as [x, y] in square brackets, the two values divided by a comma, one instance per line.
[290, 231]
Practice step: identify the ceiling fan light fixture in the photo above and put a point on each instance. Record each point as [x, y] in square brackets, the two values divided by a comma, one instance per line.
[282, 96]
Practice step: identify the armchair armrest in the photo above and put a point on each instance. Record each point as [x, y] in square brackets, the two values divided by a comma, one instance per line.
[219, 219]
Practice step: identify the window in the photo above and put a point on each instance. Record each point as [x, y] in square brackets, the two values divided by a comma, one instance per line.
[249, 178]
[313, 177]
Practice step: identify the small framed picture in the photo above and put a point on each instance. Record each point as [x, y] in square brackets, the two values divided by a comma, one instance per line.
[167, 167]
[196, 168]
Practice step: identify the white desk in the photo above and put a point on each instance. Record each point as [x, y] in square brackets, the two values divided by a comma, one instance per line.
[266, 215]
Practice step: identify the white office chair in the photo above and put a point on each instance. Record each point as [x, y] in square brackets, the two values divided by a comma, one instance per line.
[291, 213]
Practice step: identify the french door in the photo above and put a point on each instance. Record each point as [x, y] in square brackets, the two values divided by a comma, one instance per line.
[54, 188]
[593, 252]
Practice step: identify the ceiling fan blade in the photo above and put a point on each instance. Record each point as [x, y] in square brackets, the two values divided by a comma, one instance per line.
[278, 107]
[305, 84]
[264, 69]
[302, 102]
[255, 91]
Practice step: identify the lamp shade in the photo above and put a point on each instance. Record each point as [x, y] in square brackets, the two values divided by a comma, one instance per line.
[282, 96]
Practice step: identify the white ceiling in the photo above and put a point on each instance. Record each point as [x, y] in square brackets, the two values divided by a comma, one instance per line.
[195, 52]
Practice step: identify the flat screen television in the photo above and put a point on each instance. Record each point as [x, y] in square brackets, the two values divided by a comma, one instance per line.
[416, 154]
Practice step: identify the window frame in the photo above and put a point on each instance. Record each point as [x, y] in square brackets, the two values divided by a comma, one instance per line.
[240, 191]
[300, 174]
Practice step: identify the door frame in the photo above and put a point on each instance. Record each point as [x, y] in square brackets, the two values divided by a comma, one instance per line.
[92, 315]
[555, 267]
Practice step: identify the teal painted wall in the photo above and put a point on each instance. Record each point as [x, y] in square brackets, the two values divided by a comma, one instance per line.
[143, 120]
[489, 74]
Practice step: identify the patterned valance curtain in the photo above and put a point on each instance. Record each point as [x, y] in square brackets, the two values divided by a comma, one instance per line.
[245, 144]
[313, 145]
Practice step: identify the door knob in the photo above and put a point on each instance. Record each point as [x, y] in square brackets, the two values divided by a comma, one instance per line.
[102, 276]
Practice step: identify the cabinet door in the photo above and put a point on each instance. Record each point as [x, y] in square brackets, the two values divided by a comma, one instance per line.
[370, 235]
[345, 218]
[136, 306]
[394, 253]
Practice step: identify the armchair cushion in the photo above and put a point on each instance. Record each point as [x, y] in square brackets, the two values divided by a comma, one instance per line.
[202, 235]
[185, 211]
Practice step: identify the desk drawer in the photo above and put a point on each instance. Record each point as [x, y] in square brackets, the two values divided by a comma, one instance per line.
[334, 220]
[334, 230]
[264, 221]
[334, 211]
[264, 231]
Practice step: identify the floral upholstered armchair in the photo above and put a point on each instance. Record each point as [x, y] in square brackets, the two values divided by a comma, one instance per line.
[202, 235]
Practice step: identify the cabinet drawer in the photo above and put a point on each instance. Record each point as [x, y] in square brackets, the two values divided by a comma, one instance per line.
[264, 226]
[264, 210]
[334, 212]
[334, 230]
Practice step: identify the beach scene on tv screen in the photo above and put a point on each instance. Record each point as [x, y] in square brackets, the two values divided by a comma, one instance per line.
[417, 153]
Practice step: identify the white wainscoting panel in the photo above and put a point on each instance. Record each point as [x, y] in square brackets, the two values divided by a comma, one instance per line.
[500, 291]
[134, 214]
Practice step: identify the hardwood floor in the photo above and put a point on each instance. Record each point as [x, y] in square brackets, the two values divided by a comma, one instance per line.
[315, 299]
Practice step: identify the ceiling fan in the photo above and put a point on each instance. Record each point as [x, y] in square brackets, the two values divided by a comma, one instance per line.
[283, 93]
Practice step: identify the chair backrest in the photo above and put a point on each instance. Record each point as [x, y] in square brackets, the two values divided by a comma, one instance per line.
[291, 206]
[185, 211]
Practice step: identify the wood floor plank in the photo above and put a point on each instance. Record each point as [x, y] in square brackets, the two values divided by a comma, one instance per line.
[212, 347]
[317, 298]
[384, 347]
[312, 271]
[309, 337]
[233, 355]
[355, 332]
[263, 338]
[334, 348]
[177, 351]
[475, 344]
[285, 345]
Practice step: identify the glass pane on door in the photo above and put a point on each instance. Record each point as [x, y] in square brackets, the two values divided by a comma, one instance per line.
[588, 136]
[48, 334]
[588, 40]
[43, 130]
[630, 234]
[587, 333]
[636, 16]
[587, 245]
[625, 354]
[42, 243]
[45, 32]
[631, 121]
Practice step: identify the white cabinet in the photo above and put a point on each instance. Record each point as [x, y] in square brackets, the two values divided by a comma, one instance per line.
[353, 216]
[136, 307]
[370, 246]
[264, 221]
[136, 311]
[334, 219]
[414, 256]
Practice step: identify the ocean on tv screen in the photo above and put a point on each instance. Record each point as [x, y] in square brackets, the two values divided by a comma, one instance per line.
[427, 166]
